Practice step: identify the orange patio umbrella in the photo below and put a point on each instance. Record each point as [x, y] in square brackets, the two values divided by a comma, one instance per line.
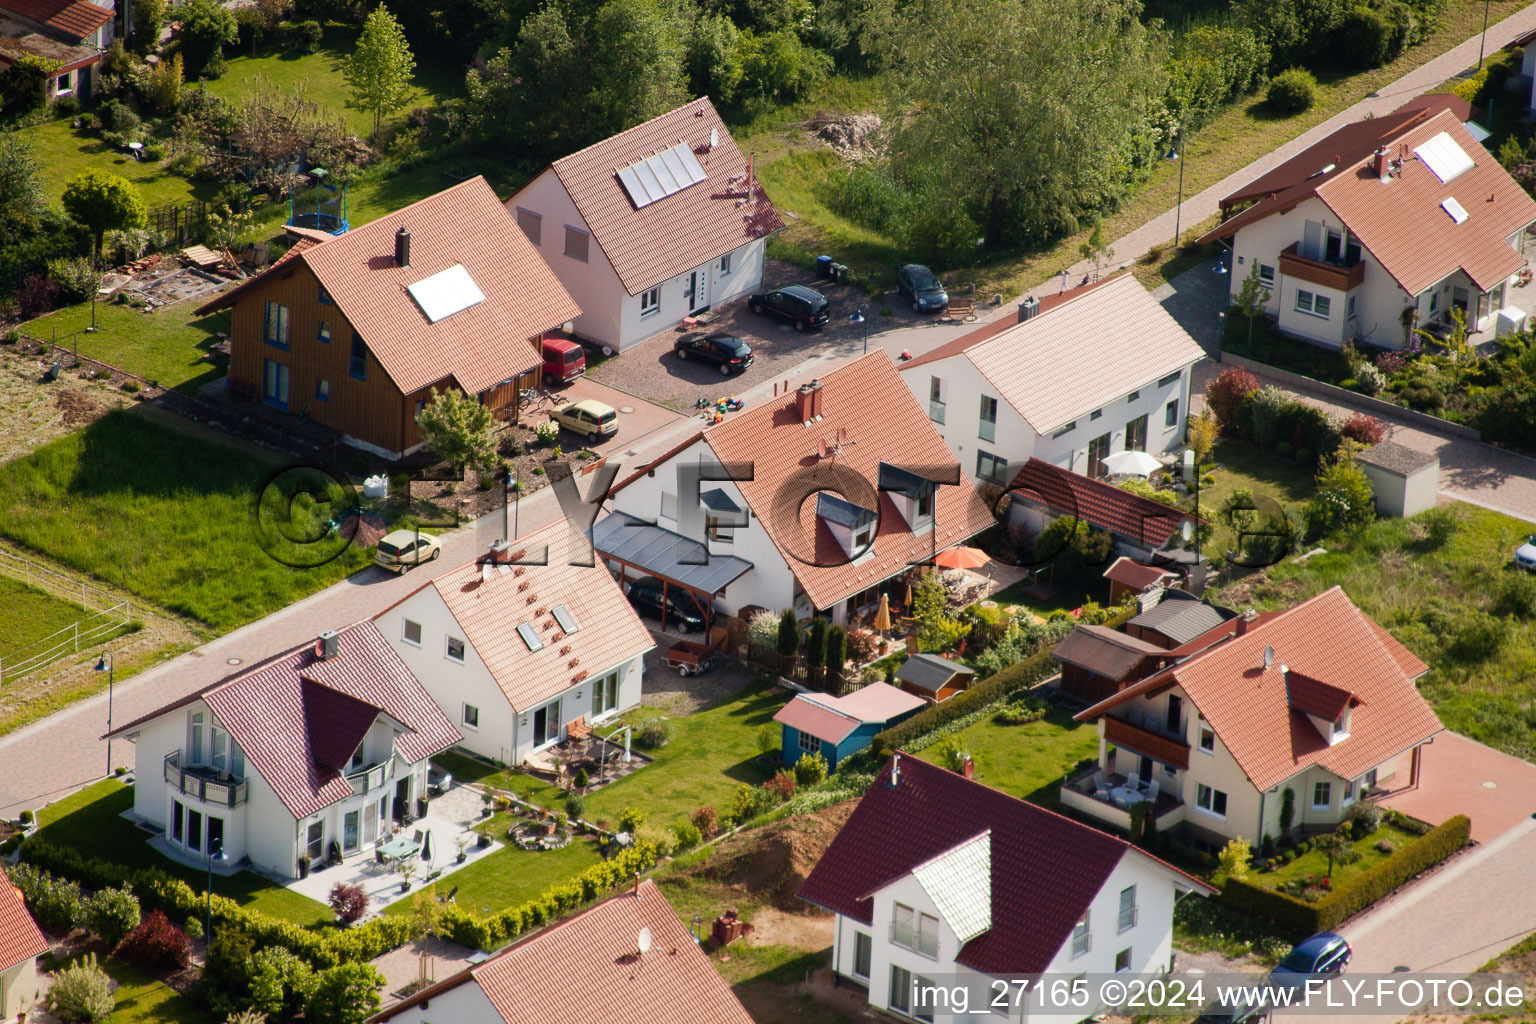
[883, 614]
[961, 558]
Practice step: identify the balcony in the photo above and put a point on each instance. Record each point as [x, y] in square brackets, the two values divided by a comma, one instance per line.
[373, 777]
[1079, 793]
[1140, 740]
[201, 782]
[1327, 275]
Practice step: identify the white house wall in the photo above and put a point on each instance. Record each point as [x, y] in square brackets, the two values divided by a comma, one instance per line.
[594, 284]
[462, 1004]
[746, 274]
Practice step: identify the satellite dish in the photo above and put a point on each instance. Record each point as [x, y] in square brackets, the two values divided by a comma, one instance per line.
[1269, 657]
[485, 572]
[644, 940]
[1186, 530]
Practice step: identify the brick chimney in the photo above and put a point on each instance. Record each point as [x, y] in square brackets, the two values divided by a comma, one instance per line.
[1245, 620]
[1380, 165]
[808, 401]
[497, 555]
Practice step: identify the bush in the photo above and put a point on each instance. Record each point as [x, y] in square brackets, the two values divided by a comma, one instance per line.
[1364, 818]
[1291, 91]
[1235, 856]
[750, 801]
[305, 36]
[1363, 429]
[345, 994]
[861, 646]
[349, 901]
[1478, 637]
[1516, 597]
[1284, 449]
[27, 817]
[654, 733]
[1386, 846]
[782, 785]
[706, 821]
[81, 992]
[1298, 917]
[1371, 380]
[1369, 38]
[110, 914]
[547, 432]
[810, 769]
[56, 903]
[280, 983]
[685, 835]
[1440, 525]
[631, 820]
[1022, 711]
[193, 927]
[156, 944]
[575, 806]
[1305, 456]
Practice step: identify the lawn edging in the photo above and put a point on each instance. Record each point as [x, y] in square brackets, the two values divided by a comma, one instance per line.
[1354, 399]
[1300, 918]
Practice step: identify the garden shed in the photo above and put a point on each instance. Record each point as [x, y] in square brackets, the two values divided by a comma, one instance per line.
[1405, 481]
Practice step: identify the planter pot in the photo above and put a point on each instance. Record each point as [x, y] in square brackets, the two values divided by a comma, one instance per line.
[304, 869]
[483, 842]
[405, 886]
[462, 857]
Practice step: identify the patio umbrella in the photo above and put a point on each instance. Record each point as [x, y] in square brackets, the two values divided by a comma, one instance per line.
[883, 614]
[426, 848]
[961, 558]
[1132, 463]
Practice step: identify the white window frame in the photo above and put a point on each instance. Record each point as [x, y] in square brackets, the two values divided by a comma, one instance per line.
[925, 936]
[1126, 953]
[1063, 431]
[1266, 275]
[900, 911]
[1210, 793]
[405, 632]
[1128, 915]
[1351, 789]
[469, 711]
[448, 642]
[725, 265]
[1320, 306]
[811, 747]
[1326, 789]
[650, 302]
[1082, 936]
[869, 941]
[1171, 415]
[1207, 731]
[1175, 375]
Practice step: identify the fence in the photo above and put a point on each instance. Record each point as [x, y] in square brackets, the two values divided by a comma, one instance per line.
[182, 222]
[110, 616]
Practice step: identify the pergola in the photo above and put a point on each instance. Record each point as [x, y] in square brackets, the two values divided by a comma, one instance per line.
[676, 560]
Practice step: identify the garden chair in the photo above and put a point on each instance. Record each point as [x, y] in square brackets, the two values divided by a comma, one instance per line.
[1100, 781]
[418, 837]
[1152, 788]
[1133, 781]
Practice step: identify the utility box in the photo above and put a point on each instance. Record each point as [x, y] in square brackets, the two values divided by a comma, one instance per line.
[1405, 481]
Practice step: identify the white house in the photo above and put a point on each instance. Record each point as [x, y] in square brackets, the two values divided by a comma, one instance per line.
[652, 225]
[940, 880]
[307, 755]
[1388, 223]
[21, 943]
[1095, 370]
[515, 654]
[628, 958]
[812, 499]
[1317, 700]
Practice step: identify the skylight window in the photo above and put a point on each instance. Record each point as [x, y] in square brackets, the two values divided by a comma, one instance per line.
[530, 636]
[1444, 157]
[1455, 209]
[662, 175]
[446, 293]
[567, 621]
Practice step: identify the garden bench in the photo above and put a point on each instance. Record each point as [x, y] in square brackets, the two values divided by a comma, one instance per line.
[961, 307]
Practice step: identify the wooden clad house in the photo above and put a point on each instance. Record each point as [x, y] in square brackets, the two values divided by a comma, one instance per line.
[354, 331]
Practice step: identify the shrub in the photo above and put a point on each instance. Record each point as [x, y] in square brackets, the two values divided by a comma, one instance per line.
[110, 914]
[27, 817]
[1371, 380]
[750, 801]
[685, 835]
[345, 994]
[782, 785]
[1516, 597]
[547, 432]
[10, 845]
[706, 821]
[280, 983]
[1423, 398]
[763, 629]
[1364, 818]
[81, 992]
[1286, 856]
[575, 805]
[156, 944]
[654, 733]
[1478, 637]
[1366, 430]
[631, 820]
[862, 646]
[1284, 449]
[1344, 498]
[349, 901]
[768, 737]
[1022, 711]
[1369, 38]
[1440, 524]
[55, 902]
[1386, 846]
[1234, 857]
[581, 778]
[810, 769]
[66, 106]
[305, 36]
[1291, 91]
[193, 927]
[1305, 456]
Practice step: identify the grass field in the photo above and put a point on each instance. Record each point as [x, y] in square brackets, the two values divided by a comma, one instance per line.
[65, 152]
[31, 615]
[1315, 862]
[166, 346]
[1026, 760]
[1264, 473]
[1443, 603]
[91, 821]
[510, 875]
[138, 998]
[161, 512]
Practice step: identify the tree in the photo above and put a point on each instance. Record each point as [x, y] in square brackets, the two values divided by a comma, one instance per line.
[81, 992]
[426, 916]
[526, 95]
[206, 27]
[815, 649]
[379, 70]
[22, 194]
[1042, 104]
[1225, 393]
[789, 638]
[769, 737]
[1287, 811]
[1202, 433]
[1344, 497]
[165, 84]
[936, 631]
[1093, 248]
[837, 657]
[350, 902]
[1235, 856]
[457, 428]
[1337, 846]
[1251, 298]
[148, 16]
[281, 983]
[101, 202]
[640, 73]
[346, 994]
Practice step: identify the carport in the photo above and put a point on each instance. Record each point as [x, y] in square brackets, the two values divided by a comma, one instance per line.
[677, 561]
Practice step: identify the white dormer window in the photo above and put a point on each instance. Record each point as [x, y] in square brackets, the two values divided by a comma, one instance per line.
[1340, 727]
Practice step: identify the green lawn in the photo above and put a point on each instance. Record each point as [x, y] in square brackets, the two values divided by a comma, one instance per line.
[1027, 760]
[139, 998]
[91, 821]
[1315, 862]
[149, 506]
[31, 616]
[167, 345]
[1443, 603]
[1285, 482]
[65, 152]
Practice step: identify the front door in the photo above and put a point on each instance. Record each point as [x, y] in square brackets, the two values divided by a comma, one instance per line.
[698, 290]
[1098, 448]
[315, 843]
[402, 799]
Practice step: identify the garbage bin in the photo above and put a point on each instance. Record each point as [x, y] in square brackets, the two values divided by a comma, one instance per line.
[839, 272]
[823, 266]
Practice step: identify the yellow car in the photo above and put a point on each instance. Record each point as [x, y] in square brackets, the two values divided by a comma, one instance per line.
[403, 550]
[591, 419]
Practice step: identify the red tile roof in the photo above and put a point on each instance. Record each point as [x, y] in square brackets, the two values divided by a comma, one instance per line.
[687, 229]
[1104, 652]
[1324, 638]
[1134, 574]
[608, 630]
[337, 722]
[479, 346]
[20, 939]
[1401, 223]
[832, 718]
[588, 968]
[1098, 503]
[867, 399]
[277, 714]
[73, 18]
[1315, 697]
[1046, 869]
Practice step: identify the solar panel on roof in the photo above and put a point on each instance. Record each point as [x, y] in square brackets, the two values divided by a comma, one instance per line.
[446, 293]
[1444, 157]
[661, 175]
[567, 621]
[530, 636]
[1456, 210]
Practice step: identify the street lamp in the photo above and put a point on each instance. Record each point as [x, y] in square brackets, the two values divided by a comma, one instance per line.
[106, 663]
[858, 317]
[1177, 154]
[1481, 44]
[215, 853]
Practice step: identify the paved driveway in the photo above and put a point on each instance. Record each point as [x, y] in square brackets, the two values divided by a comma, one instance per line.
[1461, 776]
[638, 419]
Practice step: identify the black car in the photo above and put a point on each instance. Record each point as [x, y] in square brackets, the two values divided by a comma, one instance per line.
[804, 307]
[919, 284]
[1321, 956]
[726, 351]
[676, 610]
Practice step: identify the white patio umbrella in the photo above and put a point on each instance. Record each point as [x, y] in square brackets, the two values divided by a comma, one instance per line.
[1132, 463]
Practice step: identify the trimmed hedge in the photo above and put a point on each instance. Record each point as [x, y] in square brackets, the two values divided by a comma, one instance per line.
[1034, 669]
[1300, 918]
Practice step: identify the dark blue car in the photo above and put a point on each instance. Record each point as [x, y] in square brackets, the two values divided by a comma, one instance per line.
[1322, 956]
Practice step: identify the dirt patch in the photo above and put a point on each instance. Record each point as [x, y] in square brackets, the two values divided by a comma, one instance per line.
[36, 413]
[170, 283]
[774, 927]
[851, 136]
[772, 863]
[77, 407]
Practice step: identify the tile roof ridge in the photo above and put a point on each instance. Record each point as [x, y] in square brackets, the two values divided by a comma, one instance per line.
[555, 164]
[829, 702]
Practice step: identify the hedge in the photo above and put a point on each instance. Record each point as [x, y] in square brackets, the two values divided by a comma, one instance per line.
[1034, 669]
[160, 890]
[1300, 918]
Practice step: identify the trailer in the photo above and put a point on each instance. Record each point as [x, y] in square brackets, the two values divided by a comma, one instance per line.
[691, 659]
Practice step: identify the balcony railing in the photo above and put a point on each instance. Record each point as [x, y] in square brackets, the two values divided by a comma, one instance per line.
[936, 411]
[1143, 741]
[201, 782]
[375, 777]
[1128, 919]
[1328, 275]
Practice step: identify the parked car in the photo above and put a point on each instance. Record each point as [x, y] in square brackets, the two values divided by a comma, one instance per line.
[590, 418]
[804, 307]
[1525, 554]
[922, 288]
[564, 360]
[1321, 956]
[726, 351]
[645, 594]
[403, 550]
[1242, 1013]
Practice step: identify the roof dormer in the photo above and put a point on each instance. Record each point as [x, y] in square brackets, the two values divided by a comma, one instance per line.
[853, 525]
[911, 494]
[1328, 707]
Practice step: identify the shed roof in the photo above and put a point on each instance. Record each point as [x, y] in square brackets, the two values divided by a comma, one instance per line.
[1103, 651]
[1397, 458]
[1179, 620]
[931, 671]
[664, 554]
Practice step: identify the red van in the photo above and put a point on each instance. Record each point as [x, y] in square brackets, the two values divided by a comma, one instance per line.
[564, 360]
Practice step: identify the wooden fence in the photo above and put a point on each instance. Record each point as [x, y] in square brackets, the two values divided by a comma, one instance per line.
[109, 616]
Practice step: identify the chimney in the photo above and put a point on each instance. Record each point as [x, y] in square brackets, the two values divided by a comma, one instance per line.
[895, 770]
[1029, 309]
[1245, 620]
[970, 768]
[402, 247]
[816, 397]
[497, 554]
[808, 402]
[1381, 166]
[327, 645]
